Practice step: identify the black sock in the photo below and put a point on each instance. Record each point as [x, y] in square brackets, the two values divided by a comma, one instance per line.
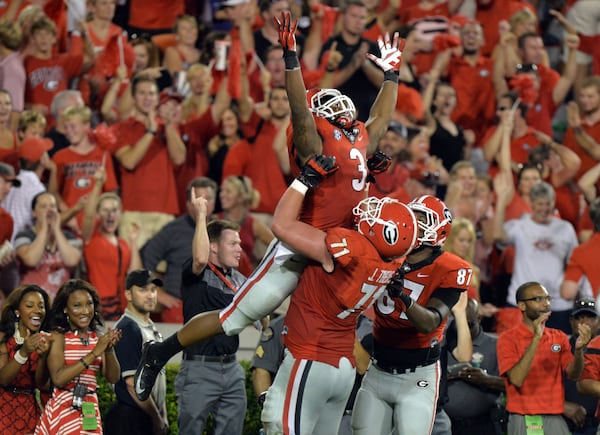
[162, 352]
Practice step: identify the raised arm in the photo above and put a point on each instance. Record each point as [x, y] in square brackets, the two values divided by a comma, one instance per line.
[385, 103]
[201, 243]
[306, 138]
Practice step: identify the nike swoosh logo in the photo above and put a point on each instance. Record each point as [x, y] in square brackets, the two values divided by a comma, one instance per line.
[422, 275]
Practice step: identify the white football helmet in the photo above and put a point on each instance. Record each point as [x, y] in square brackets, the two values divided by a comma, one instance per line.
[332, 105]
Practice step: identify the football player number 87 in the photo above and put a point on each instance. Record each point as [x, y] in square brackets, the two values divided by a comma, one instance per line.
[463, 276]
[358, 184]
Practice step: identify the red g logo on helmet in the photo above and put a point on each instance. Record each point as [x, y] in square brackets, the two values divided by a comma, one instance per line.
[388, 224]
[332, 105]
[435, 219]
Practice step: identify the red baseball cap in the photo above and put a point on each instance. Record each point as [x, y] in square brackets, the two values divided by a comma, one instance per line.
[33, 148]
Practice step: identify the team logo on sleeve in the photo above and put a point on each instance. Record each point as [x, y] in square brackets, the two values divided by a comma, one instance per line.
[337, 135]
[555, 348]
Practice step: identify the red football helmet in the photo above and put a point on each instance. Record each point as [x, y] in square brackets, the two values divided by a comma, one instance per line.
[332, 105]
[388, 224]
[436, 222]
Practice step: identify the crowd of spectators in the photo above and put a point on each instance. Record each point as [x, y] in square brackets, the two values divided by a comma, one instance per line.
[112, 112]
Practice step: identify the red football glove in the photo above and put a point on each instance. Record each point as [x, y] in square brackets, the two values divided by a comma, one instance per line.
[287, 31]
[391, 53]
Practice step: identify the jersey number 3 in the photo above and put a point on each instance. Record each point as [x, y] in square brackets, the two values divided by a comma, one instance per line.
[358, 184]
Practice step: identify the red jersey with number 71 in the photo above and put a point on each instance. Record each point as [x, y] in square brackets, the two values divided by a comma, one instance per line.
[331, 204]
[321, 319]
[393, 329]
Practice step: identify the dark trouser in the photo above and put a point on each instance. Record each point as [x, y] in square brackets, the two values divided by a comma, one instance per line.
[122, 419]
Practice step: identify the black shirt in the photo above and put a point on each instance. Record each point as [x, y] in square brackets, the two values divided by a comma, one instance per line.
[207, 292]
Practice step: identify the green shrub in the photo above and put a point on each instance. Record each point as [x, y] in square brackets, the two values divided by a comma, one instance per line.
[252, 424]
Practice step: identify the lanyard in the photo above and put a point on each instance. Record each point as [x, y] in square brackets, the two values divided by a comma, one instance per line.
[223, 278]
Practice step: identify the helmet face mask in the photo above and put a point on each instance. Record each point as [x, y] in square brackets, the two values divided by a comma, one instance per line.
[332, 105]
[388, 224]
[434, 219]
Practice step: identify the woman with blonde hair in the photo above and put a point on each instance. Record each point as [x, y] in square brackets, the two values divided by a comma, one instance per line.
[237, 198]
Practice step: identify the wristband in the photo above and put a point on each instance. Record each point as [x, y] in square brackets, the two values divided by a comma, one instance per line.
[20, 359]
[86, 365]
[291, 60]
[392, 76]
[152, 132]
[299, 186]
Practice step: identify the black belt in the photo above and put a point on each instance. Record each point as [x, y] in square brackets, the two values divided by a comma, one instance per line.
[398, 370]
[210, 358]
[19, 390]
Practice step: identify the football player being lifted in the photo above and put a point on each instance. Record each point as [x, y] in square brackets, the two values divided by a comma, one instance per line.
[323, 122]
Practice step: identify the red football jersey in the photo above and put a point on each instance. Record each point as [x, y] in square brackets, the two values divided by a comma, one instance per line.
[324, 308]
[393, 329]
[331, 204]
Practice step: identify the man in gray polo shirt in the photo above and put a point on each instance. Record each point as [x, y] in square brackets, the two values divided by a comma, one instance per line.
[129, 416]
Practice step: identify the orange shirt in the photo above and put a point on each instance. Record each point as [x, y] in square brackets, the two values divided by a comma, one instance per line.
[150, 186]
[542, 391]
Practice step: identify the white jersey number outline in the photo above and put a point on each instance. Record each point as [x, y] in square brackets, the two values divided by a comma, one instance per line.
[371, 292]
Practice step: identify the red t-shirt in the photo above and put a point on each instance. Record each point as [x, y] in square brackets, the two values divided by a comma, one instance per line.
[258, 161]
[325, 307]
[47, 77]
[150, 186]
[160, 14]
[6, 226]
[542, 391]
[475, 95]
[584, 261]
[393, 329]
[490, 16]
[570, 141]
[196, 133]
[331, 204]
[75, 173]
[107, 267]
[539, 116]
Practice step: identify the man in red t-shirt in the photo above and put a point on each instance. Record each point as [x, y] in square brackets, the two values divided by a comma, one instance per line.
[532, 359]
[583, 134]
[471, 76]
[47, 73]
[148, 149]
